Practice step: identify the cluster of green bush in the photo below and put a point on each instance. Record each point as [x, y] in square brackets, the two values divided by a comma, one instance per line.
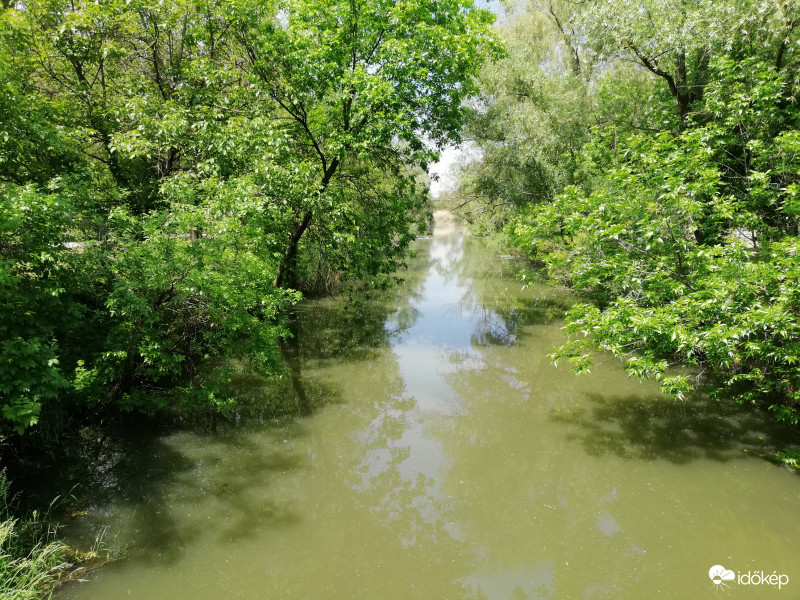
[649, 158]
[174, 174]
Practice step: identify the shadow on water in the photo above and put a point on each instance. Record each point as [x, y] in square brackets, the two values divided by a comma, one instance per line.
[208, 478]
[175, 495]
[502, 320]
[337, 329]
[217, 496]
[226, 469]
[660, 428]
[332, 329]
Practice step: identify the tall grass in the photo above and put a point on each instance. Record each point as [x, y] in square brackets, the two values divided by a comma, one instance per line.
[32, 559]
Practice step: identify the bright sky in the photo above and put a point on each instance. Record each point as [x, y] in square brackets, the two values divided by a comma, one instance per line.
[443, 169]
[449, 159]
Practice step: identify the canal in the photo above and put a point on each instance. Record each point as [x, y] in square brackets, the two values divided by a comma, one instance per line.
[426, 447]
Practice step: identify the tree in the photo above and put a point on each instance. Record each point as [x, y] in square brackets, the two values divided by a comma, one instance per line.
[676, 41]
[162, 165]
[375, 85]
[532, 117]
[645, 155]
[688, 247]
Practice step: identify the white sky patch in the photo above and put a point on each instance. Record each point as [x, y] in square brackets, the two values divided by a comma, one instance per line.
[496, 6]
[443, 173]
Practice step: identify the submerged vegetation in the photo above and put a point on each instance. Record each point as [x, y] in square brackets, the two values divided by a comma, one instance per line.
[645, 154]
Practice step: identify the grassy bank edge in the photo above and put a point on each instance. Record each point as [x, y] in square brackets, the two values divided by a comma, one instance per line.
[33, 558]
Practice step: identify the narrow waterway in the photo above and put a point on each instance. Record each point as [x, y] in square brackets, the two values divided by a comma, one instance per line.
[444, 457]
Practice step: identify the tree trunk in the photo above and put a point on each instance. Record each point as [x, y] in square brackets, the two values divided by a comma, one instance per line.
[287, 270]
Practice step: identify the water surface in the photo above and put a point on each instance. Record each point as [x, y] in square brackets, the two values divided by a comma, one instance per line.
[445, 457]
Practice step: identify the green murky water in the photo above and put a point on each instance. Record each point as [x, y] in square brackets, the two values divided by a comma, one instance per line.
[430, 450]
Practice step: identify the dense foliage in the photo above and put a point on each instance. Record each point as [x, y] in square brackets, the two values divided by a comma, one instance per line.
[174, 174]
[650, 162]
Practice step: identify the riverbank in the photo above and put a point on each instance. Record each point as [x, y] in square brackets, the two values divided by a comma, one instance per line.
[34, 560]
